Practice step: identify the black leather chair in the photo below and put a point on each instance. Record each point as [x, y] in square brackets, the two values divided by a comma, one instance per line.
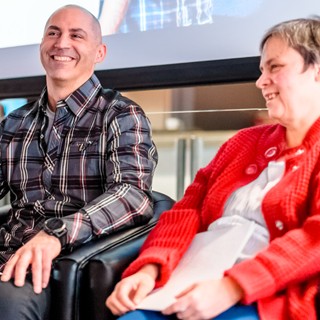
[74, 279]
[81, 280]
[105, 268]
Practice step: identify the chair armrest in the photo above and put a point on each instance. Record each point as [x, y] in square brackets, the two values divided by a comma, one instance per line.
[71, 278]
[105, 268]
[105, 271]
[4, 213]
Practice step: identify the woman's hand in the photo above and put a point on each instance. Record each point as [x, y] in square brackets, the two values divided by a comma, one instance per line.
[205, 300]
[131, 290]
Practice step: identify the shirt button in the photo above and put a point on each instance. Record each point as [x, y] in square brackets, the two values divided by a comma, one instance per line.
[251, 169]
[279, 225]
[270, 152]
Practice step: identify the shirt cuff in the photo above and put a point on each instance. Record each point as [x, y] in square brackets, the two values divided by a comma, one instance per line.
[79, 228]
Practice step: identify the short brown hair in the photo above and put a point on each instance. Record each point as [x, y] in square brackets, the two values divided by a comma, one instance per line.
[303, 35]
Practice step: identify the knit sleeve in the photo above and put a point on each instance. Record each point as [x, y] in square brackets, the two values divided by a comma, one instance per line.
[176, 228]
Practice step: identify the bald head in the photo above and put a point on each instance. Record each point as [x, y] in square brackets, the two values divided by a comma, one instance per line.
[94, 22]
[70, 48]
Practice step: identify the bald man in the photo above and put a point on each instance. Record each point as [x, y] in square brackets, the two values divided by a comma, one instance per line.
[78, 163]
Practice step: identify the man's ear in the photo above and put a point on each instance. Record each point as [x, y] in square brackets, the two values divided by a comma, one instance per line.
[101, 53]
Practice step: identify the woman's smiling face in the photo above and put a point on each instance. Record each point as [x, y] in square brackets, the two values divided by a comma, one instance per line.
[286, 83]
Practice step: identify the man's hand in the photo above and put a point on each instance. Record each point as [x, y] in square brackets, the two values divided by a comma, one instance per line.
[37, 253]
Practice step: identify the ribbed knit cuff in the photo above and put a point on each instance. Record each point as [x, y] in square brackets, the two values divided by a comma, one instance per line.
[255, 280]
[147, 257]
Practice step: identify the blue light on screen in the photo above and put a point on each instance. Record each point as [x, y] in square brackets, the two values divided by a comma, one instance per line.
[11, 104]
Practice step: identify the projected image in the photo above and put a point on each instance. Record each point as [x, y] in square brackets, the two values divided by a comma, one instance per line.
[142, 15]
[117, 16]
[143, 33]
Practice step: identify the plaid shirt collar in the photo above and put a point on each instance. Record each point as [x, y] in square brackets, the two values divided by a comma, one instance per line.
[78, 100]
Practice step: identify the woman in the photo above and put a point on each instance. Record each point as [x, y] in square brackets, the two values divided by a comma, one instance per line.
[268, 174]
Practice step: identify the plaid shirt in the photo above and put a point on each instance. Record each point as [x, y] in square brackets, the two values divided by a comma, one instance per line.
[95, 171]
[143, 15]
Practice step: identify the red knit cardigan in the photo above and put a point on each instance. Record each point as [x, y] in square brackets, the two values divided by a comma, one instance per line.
[283, 278]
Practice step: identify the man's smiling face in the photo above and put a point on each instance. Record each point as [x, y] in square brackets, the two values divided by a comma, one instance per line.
[71, 46]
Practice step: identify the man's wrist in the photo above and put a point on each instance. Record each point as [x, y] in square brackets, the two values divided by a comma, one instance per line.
[57, 228]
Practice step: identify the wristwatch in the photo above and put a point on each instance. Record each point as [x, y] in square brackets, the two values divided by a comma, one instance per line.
[57, 228]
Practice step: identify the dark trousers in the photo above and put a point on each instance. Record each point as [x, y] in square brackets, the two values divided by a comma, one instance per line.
[21, 303]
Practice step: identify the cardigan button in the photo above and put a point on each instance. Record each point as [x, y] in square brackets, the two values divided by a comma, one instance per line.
[294, 168]
[279, 225]
[251, 169]
[299, 151]
[270, 152]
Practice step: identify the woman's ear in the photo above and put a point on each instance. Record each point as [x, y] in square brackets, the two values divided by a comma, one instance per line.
[317, 72]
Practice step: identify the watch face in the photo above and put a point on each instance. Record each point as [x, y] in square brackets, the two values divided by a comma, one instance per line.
[57, 228]
[55, 224]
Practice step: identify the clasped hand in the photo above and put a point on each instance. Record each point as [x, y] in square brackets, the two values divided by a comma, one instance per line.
[203, 300]
[129, 292]
[38, 254]
[206, 300]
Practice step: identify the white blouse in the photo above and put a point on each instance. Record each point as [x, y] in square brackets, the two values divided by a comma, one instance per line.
[245, 204]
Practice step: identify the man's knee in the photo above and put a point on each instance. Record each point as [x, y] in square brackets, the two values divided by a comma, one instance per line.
[21, 303]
